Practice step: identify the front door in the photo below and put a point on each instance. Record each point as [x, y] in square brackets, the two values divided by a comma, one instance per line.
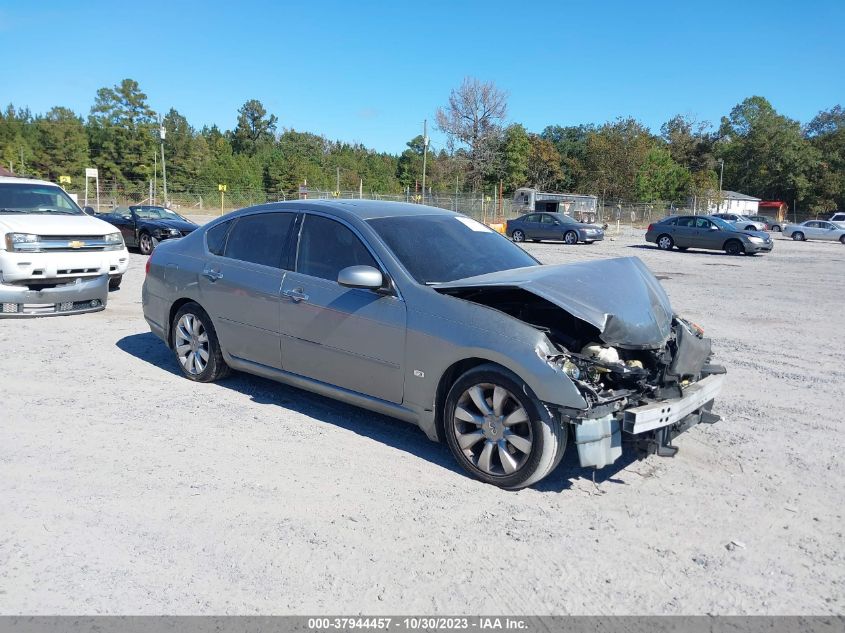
[240, 287]
[124, 219]
[347, 337]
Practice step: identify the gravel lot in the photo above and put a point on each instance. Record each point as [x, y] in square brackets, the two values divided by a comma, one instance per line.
[127, 489]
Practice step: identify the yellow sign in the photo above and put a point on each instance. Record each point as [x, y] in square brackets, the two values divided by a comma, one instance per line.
[64, 180]
[221, 187]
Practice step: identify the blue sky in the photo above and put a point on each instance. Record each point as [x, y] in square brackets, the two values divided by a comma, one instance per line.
[372, 71]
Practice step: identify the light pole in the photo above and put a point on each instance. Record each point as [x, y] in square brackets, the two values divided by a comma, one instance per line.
[162, 132]
[721, 176]
[425, 152]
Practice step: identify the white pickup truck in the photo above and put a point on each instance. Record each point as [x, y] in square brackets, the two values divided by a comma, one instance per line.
[54, 259]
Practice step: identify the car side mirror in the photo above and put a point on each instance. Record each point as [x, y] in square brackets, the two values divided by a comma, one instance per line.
[365, 277]
[90, 211]
[714, 228]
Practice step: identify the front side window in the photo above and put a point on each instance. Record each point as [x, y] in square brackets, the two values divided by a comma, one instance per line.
[702, 223]
[260, 238]
[441, 248]
[36, 199]
[547, 219]
[326, 247]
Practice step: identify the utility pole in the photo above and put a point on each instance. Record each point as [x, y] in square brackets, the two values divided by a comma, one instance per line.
[155, 176]
[337, 187]
[162, 132]
[425, 152]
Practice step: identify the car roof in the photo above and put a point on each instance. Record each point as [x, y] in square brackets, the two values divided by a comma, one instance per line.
[25, 181]
[362, 209]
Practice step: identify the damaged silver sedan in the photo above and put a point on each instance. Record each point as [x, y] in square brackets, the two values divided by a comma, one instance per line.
[430, 317]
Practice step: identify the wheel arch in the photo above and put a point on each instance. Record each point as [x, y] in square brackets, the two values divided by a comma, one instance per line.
[447, 379]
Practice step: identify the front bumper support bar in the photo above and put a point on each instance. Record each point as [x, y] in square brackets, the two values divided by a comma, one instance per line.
[83, 295]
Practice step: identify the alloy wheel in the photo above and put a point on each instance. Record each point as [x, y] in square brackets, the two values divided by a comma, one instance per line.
[665, 242]
[571, 237]
[518, 236]
[146, 244]
[492, 429]
[191, 341]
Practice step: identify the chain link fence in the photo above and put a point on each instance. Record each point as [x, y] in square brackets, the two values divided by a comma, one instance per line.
[484, 208]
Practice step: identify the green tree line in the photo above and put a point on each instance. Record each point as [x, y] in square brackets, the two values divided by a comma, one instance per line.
[763, 153]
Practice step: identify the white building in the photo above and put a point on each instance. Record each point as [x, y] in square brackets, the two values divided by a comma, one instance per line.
[734, 202]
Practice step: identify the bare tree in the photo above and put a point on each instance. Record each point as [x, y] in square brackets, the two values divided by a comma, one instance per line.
[473, 119]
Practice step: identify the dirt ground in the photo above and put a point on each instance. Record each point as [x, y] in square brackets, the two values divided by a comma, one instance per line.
[127, 489]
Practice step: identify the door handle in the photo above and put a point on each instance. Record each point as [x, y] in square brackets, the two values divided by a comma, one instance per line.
[212, 275]
[296, 295]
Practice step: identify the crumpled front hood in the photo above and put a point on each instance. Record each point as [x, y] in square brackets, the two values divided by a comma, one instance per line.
[620, 297]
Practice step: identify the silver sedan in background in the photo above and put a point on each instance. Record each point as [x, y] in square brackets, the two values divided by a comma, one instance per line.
[433, 318]
[740, 221]
[815, 230]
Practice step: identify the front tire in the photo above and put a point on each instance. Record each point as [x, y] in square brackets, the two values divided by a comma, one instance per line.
[751, 228]
[196, 346]
[498, 431]
[518, 236]
[114, 282]
[776, 228]
[798, 236]
[842, 239]
[147, 243]
[733, 247]
[570, 237]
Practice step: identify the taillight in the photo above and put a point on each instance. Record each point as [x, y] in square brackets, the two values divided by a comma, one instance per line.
[147, 266]
[650, 227]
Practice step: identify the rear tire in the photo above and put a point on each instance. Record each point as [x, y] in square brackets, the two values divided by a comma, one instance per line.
[734, 247]
[665, 242]
[194, 342]
[498, 430]
[518, 236]
[798, 236]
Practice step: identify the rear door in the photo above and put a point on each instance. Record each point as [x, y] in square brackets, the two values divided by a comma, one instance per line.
[684, 232]
[348, 337]
[531, 225]
[241, 281]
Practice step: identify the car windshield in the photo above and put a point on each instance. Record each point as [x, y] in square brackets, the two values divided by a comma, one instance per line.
[157, 213]
[440, 248]
[725, 226]
[34, 198]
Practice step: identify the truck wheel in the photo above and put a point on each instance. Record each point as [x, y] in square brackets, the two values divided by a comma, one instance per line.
[499, 431]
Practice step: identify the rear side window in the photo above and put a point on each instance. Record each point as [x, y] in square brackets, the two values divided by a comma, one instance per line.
[326, 247]
[686, 221]
[215, 237]
[260, 239]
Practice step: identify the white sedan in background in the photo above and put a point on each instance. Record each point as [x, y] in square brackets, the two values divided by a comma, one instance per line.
[815, 230]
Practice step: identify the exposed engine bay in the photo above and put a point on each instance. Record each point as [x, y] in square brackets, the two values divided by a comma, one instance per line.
[616, 378]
